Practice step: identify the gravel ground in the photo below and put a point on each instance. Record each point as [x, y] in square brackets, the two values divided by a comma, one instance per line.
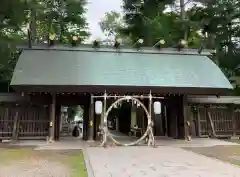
[26, 162]
[34, 168]
[229, 154]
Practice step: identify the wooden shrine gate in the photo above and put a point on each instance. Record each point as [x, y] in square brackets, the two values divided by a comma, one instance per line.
[226, 121]
[32, 121]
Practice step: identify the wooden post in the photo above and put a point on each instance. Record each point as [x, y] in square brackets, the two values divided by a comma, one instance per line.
[15, 127]
[117, 124]
[52, 118]
[102, 114]
[91, 120]
[166, 121]
[150, 106]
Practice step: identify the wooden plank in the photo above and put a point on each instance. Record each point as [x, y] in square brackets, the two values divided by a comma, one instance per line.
[211, 124]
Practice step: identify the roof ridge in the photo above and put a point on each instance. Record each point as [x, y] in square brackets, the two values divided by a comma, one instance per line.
[142, 50]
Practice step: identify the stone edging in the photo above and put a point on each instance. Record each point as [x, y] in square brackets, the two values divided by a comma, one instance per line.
[88, 163]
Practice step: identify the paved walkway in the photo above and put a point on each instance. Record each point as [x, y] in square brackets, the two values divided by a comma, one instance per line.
[164, 161]
[167, 160]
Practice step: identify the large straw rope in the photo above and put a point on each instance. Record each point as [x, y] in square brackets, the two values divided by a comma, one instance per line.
[148, 133]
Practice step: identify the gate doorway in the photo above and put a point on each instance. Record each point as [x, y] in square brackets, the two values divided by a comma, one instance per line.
[71, 121]
[119, 122]
[101, 108]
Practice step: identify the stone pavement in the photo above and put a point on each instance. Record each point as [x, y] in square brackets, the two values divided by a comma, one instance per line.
[163, 161]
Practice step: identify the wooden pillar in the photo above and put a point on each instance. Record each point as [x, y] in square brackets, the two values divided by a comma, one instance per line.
[183, 127]
[91, 120]
[85, 119]
[57, 122]
[189, 126]
[52, 118]
[164, 115]
[174, 114]
[198, 122]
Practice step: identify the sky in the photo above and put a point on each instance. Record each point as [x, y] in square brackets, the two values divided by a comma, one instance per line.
[96, 11]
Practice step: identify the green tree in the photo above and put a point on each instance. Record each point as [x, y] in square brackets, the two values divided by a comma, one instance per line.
[220, 23]
[13, 15]
[111, 25]
[64, 18]
[139, 16]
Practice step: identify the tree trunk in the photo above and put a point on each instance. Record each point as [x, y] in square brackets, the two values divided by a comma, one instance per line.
[183, 17]
[33, 26]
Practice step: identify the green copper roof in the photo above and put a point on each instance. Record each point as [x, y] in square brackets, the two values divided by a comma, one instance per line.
[111, 68]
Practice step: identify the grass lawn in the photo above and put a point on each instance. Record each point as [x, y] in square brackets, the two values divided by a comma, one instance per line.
[71, 159]
[76, 164]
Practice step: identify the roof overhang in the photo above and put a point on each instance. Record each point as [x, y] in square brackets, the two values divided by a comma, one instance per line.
[91, 70]
[120, 89]
[206, 99]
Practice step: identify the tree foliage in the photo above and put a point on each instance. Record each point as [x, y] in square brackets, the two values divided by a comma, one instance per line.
[214, 25]
[209, 24]
[12, 15]
[111, 24]
[141, 16]
[65, 18]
